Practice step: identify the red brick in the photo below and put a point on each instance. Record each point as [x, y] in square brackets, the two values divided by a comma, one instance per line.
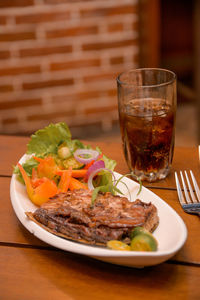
[81, 96]
[136, 58]
[45, 51]
[2, 20]
[20, 103]
[116, 60]
[19, 70]
[100, 110]
[10, 120]
[6, 88]
[108, 11]
[18, 36]
[109, 45]
[115, 27]
[99, 77]
[135, 26]
[75, 64]
[4, 54]
[42, 17]
[15, 3]
[75, 31]
[63, 1]
[50, 116]
[47, 83]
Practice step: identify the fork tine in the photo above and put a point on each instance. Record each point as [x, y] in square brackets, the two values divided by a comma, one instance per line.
[196, 187]
[184, 198]
[188, 200]
[180, 194]
[190, 189]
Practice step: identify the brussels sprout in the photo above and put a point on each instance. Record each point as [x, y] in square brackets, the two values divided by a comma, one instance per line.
[139, 230]
[64, 152]
[144, 242]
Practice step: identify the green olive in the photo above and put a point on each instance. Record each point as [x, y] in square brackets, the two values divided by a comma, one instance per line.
[118, 245]
[144, 242]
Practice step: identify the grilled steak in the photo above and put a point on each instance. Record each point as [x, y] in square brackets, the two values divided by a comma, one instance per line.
[111, 217]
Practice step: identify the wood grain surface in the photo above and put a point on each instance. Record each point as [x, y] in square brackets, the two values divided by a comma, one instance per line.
[43, 274]
[12, 149]
[31, 269]
[16, 233]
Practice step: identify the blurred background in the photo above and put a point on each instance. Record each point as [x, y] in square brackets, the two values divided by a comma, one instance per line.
[59, 60]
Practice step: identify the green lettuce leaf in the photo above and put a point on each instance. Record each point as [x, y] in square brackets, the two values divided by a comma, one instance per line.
[109, 163]
[48, 139]
[28, 166]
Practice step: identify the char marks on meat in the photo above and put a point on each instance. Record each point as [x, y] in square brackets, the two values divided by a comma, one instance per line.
[110, 218]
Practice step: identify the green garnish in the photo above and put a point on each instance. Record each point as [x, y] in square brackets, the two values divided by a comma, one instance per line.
[140, 182]
[112, 188]
[104, 188]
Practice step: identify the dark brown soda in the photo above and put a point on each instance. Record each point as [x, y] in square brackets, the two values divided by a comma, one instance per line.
[148, 136]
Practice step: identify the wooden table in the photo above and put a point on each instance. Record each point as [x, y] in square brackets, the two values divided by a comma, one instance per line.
[31, 269]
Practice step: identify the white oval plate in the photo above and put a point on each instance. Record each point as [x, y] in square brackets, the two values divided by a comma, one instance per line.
[171, 232]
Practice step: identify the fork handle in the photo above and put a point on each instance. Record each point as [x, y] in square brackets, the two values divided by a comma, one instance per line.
[193, 208]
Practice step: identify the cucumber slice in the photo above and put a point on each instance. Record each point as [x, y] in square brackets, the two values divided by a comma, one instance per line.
[72, 162]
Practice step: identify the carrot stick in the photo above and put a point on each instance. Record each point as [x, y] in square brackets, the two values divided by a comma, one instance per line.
[89, 164]
[38, 159]
[75, 173]
[65, 180]
[29, 188]
[46, 167]
[76, 184]
[79, 173]
[34, 174]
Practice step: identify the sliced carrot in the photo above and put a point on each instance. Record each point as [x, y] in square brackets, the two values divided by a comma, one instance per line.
[27, 181]
[38, 181]
[79, 173]
[86, 167]
[65, 180]
[44, 191]
[75, 173]
[75, 184]
[34, 174]
[38, 159]
[89, 165]
[47, 167]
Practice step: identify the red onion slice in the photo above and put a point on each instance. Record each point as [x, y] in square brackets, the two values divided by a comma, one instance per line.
[93, 174]
[80, 154]
[99, 164]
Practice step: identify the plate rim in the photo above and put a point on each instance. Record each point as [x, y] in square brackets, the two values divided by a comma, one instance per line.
[99, 253]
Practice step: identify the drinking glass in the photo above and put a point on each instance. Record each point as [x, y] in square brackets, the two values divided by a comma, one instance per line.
[147, 110]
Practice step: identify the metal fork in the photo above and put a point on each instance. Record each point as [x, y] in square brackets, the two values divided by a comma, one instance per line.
[191, 202]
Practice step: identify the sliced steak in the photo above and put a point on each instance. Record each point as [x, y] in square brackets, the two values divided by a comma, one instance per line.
[71, 215]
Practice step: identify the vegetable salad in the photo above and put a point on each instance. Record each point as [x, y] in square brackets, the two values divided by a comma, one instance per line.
[57, 163]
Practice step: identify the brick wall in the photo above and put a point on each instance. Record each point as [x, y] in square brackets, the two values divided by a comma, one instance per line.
[59, 60]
